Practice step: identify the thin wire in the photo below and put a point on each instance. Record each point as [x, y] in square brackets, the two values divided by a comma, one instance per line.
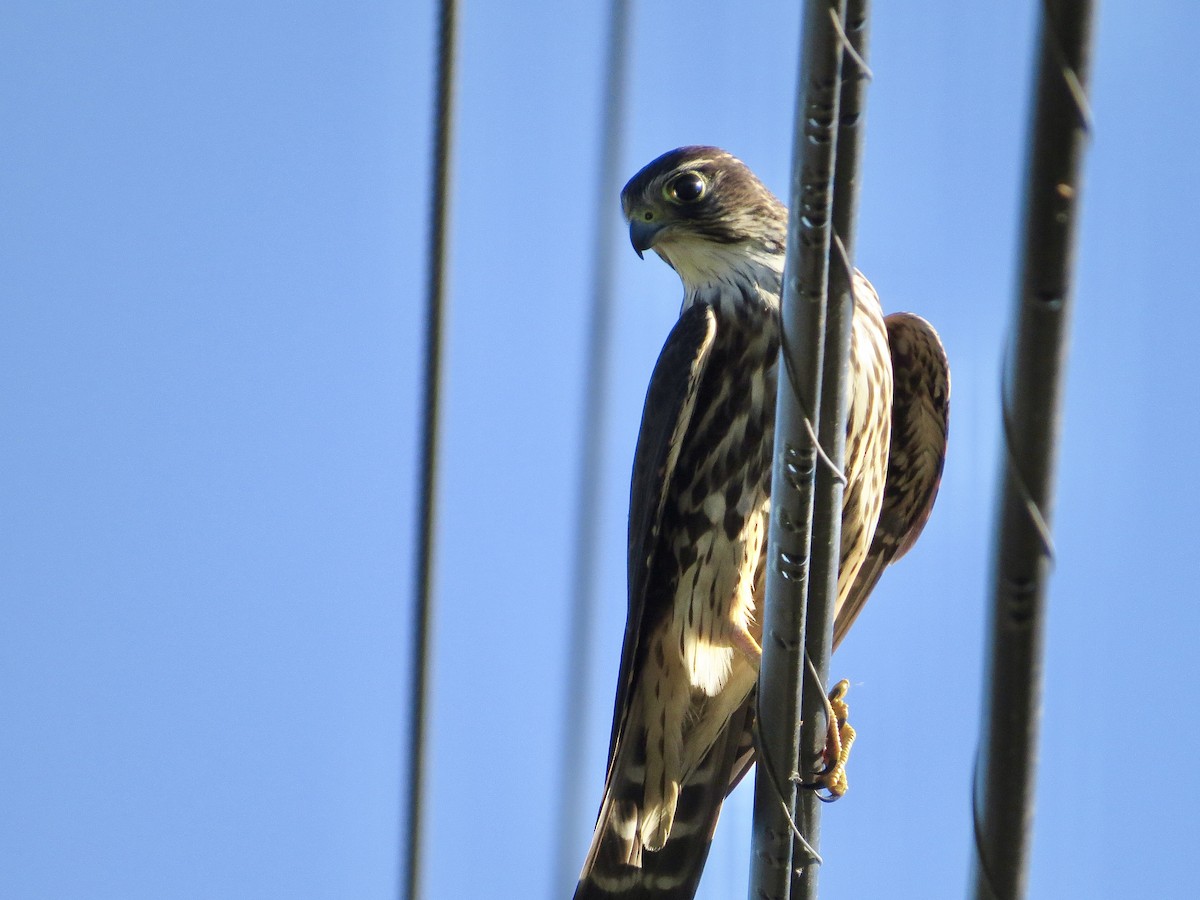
[806, 418]
[1036, 517]
[849, 49]
[830, 718]
[1074, 85]
[438, 202]
[768, 765]
[588, 488]
[987, 878]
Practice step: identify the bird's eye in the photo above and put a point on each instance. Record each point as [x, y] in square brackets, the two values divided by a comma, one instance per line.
[687, 188]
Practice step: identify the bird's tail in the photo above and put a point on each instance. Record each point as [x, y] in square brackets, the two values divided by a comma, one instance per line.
[618, 866]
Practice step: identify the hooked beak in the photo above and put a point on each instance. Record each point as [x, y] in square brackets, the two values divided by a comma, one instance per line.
[642, 235]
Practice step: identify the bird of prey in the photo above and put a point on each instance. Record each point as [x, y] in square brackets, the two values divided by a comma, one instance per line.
[699, 505]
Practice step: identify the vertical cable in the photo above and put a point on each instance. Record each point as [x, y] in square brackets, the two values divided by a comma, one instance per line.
[807, 481]
[435, 289]
[835, 386]
[794, 579]
[596, 377]
[1031, 400]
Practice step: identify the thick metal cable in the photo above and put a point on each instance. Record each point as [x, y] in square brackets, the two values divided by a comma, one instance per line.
[596, 377]
[806, 487]
[422, 588]
[1032, 390]
[827, 506]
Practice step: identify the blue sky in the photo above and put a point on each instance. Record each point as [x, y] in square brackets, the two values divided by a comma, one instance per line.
[210, 348]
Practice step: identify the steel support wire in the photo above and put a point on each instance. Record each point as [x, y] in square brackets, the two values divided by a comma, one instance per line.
[422, 589]
[806, 486]
[596, 379]
[1032, 393]
[829, 484]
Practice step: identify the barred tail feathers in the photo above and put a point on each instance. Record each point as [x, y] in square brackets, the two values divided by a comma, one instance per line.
[620, 864]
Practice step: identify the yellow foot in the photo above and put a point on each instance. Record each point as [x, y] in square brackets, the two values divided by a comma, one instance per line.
[838, 742]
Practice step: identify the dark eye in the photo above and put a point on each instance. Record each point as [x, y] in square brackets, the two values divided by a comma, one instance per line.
[687, 188]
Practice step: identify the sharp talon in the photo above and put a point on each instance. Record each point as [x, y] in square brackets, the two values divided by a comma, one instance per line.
[838, 743]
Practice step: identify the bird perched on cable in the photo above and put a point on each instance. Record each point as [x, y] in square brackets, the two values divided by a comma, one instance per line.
[699, 505]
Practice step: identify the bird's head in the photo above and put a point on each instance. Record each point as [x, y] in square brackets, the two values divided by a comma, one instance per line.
[702, 210]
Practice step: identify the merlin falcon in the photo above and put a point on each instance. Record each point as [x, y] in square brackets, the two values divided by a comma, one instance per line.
[699, 505]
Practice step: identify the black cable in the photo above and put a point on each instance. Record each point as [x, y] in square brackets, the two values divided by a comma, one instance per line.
[588, 489]
[435, 289]
[1032, 387]
[801, 583]
[850, 26]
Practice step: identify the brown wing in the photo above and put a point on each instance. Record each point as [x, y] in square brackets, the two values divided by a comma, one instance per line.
[666, 415]
[920, 424]
[670, 402]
